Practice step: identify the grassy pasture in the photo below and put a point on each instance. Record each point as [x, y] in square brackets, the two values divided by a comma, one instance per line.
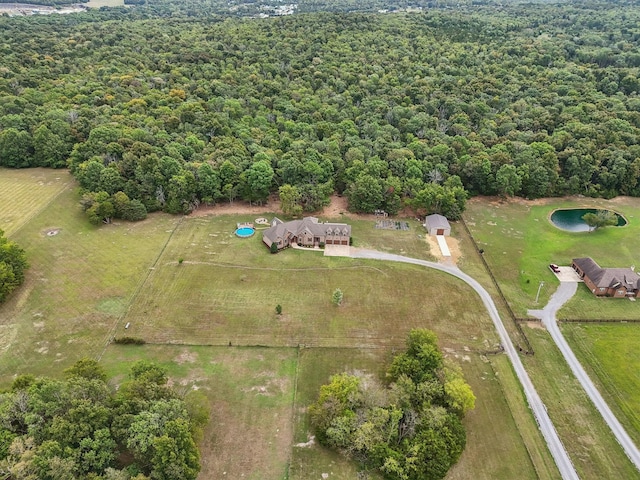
[86, 281]
[591, 445]
[611, 356]
[228, 289]
[520, 242]
[80, 282]
[24, 193]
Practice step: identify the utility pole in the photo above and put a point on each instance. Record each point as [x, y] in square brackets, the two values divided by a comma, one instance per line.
[539, 288]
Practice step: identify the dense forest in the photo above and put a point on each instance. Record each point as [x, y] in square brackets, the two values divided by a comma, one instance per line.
[156, 111]
[78, 428]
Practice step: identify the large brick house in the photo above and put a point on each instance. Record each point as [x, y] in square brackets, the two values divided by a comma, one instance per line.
[607, 282]
[307, 232]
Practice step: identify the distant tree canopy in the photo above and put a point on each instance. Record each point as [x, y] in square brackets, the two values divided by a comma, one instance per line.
[393, 110]
[77, 428]
[13, 263]
[409, 430]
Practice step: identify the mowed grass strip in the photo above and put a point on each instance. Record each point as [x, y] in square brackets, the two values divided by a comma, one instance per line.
[520, 242]
[611, 356]
[24, 193]
[591, 445]
[226, 290]
[80, 283]
[250, 395]
[495, 448]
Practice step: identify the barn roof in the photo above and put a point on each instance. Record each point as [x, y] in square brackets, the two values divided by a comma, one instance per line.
[437, 221]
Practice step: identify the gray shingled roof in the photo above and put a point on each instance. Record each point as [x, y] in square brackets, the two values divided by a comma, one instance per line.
[280, 229]
[608, 277]
[437, 221]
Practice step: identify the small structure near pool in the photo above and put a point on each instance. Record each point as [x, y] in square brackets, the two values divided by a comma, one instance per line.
[308, 232]
[607, 282]
[437, 225]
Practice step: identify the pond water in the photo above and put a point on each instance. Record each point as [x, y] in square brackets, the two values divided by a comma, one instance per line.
[571, 219]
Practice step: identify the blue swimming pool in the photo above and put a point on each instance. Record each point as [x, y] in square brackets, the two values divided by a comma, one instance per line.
[245, 232]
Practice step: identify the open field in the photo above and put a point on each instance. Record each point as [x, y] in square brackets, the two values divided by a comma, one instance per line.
[24, 193]
[229, 287]
[611, 356]
[520, 242]
[86, 282]
[80, 282]
[593, 448]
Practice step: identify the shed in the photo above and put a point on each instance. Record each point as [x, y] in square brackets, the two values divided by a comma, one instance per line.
[437, 225]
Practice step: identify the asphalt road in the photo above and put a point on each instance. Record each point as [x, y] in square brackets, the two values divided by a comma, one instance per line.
[549, 433]
[565, 291]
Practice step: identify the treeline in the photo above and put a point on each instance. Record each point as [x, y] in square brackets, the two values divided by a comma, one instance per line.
[13, 263]
[390, 110]
[48, 3]
[78, 428]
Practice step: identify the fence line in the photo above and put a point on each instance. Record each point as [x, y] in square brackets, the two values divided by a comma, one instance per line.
[599, 320]
[516, 322]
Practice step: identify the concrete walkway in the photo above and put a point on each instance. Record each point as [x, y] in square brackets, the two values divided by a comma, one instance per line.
[559, 453]
[442, 243]
[565, 291]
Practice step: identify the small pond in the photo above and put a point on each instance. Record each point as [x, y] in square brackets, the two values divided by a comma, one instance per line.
[570, 219]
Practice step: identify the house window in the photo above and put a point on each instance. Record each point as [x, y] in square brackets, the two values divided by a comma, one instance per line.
[620, 292]
[602, 289]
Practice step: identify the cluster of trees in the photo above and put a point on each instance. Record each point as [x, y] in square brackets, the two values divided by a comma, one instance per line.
[77, 428]
[13, 263]
[410, 429]
[391, 110]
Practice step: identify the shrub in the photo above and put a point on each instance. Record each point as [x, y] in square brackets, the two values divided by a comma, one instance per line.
[129, 341]
[274, 247]
[278, 309]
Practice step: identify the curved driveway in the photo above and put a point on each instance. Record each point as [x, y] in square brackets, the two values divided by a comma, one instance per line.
[554, 444]
[565, 291]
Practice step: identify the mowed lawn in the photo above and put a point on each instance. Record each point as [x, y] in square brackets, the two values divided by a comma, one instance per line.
[24, 193]
[226, 289]
[592, 447]
[79, 283]
[520, 242]
[612, 358]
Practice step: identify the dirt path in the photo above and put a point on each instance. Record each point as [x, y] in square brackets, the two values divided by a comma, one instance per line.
[337, 206]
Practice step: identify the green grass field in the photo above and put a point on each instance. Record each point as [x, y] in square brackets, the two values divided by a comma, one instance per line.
[520, 243]
[591, 445]
[79, 284]
[250, 393]
[610, 354]
[228, 289]
[24, 193]
[85, 283]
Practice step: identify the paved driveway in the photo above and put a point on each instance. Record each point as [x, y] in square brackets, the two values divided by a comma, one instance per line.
[565, 291]
[559, 453]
